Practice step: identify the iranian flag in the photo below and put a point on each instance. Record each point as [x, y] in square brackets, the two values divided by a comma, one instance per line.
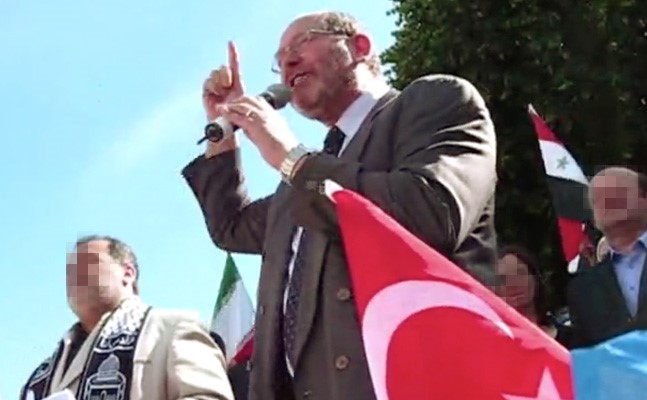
[233, 316]
[568, 187]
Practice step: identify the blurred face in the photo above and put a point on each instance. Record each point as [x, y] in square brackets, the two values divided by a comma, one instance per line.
[317, 65]
[95, 282]
[616, 200]
[516, 285]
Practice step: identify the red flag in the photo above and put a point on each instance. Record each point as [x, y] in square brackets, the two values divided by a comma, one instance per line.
[244, 350]
[568, 187]
[430, 330]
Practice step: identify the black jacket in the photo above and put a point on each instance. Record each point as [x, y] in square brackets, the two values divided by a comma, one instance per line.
[597, 306]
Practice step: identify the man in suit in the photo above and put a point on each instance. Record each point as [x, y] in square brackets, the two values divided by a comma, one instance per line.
[121, 348]
[425, 155]
[610, 298]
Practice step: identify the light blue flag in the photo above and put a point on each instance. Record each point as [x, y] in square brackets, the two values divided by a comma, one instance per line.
[615, 369]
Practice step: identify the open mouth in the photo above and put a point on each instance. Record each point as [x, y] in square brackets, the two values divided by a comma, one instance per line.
[299, 79]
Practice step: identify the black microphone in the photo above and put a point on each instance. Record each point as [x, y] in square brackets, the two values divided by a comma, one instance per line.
[276, 95]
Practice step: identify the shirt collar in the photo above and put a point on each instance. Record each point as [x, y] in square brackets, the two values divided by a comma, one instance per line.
[352, 118]
[642, 240]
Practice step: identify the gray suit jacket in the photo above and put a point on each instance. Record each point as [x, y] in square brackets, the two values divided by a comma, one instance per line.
[426, 156]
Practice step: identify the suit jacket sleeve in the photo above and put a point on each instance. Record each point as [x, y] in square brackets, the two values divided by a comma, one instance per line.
[235, 223]
[196, 366]
[444, 156]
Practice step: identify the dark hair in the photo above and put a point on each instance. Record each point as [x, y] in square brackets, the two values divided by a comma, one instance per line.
[346, 24]
[118, 250]
[541, 301]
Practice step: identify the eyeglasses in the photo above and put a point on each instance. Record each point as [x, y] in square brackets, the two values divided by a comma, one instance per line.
[298, 43]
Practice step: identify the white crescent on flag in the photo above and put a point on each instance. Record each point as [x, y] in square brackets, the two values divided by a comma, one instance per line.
[391, 306]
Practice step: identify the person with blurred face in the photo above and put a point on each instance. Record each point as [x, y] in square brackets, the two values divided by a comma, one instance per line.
[609, 298]
[96, 282]
[521, 285]
[121, 348]
[425, 155]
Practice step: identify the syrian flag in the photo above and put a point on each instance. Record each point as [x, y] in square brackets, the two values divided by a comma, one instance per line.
[430, 330]
[233, 316]
[568, 187]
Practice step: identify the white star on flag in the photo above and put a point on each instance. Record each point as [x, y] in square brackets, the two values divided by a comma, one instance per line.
[546, 391]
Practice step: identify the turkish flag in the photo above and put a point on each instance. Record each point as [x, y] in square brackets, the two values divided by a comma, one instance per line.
[430, 330]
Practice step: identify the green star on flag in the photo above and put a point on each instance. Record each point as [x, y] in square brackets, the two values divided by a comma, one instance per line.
[562, 162]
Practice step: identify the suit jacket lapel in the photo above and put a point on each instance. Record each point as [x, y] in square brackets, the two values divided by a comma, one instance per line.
[612, 286]
[356, 145]
[78, 363]
[318, 242]
[58, 368]
[642, 293]
[285, 228]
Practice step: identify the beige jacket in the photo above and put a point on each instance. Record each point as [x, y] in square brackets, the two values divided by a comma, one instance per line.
[174, 359]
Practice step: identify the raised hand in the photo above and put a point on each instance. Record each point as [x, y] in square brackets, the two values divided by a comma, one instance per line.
[264, 127]
[223, 85]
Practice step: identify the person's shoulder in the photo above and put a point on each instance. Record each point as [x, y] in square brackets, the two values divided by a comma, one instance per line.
[172, 317]
[579, 278]
[442, 79]
[597, 270]
[584, 277]
[443, 85]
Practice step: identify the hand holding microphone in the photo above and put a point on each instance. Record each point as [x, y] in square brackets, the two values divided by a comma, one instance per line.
[276, 96]
[225, 104]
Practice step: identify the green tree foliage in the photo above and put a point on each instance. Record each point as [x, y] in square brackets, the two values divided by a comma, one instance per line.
[582, 64]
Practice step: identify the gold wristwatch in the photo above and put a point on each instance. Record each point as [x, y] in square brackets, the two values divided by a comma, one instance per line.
[290, 161]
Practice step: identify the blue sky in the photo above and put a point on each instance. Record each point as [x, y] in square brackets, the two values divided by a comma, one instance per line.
[99, 111]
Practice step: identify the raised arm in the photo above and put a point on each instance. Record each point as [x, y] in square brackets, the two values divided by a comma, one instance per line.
[235, 223]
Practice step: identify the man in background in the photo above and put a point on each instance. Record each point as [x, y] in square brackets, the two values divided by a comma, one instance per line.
[120, 348]
[610, 298]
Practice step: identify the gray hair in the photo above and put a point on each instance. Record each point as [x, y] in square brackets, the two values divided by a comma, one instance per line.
[347, 25]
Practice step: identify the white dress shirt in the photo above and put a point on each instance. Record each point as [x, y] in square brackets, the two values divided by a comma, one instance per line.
[349, 124]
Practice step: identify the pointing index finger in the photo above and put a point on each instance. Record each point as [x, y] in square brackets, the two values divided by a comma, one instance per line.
[233, 64]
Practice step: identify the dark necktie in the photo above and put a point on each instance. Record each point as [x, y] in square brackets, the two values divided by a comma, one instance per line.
[332, 145]
[334, 140]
